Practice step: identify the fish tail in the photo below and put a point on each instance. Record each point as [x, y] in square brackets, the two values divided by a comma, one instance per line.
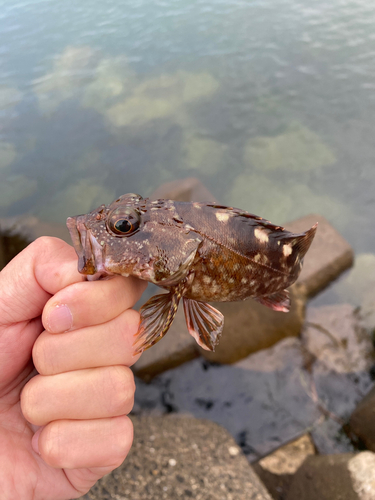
[301, 243]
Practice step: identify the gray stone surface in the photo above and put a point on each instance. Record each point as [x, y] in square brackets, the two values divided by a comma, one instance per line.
[302, 385]
[335, 477]
[329, 255]
[181, 458]
[362, 420]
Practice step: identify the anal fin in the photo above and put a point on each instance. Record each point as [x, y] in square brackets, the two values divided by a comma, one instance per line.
[279, 301]
[204, 322]
[157, 315]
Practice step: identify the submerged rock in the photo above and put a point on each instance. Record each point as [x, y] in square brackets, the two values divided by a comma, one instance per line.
[295, 150]
[70, 70]
[165, 96]
[112, 79]
[204, 154]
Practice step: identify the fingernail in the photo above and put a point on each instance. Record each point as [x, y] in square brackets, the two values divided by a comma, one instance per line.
[60, 319]
[35, 440]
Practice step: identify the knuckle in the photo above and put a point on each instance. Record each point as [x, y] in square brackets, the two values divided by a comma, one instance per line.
[29, 402]
[50, 444]
[122, 387]
[124, 440]
[41, 356]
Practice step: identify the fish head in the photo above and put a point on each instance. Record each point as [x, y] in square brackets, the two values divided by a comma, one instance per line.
[134, 237]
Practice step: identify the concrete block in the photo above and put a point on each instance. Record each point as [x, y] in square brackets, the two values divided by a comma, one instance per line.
[335, 477]
[181, 457]
[362, 420]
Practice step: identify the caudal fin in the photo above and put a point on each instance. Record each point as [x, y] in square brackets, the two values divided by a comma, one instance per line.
[301, 243]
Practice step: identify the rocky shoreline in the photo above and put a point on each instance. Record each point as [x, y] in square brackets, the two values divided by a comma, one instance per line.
[283, 410]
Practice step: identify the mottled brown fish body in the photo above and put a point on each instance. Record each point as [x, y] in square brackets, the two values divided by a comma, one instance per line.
[200, 252]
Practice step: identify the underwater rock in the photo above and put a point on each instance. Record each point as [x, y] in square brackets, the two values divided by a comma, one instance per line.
[161, 97]
[9, 97]
[138, 110]
[203, 154]
[113, 79]
[70, 70]
[7, 154]
[198, 85]
[15, 188]
[297, 149]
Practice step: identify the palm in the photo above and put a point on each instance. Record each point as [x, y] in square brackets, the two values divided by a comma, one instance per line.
[24, 471]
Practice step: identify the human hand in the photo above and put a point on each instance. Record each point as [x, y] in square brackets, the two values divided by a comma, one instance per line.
[64, 397]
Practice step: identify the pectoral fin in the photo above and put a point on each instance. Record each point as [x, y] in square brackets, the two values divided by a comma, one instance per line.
[279, 301]
[157, 315]
[204, 322]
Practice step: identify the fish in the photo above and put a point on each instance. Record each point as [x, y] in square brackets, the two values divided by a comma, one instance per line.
[197, 252]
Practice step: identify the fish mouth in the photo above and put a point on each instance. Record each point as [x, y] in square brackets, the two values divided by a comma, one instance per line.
[90, 253]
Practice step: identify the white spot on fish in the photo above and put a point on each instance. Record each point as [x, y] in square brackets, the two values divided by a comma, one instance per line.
[231, 280]
[287, 250]
[257, 257]
[236, 266]
[222, 216]
[261, 235]
[207, 279]
[244, 280]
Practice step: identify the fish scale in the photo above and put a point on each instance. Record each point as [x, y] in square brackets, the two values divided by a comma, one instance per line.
[199, 252]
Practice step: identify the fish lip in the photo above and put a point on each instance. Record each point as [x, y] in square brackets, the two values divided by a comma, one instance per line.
[89, 251]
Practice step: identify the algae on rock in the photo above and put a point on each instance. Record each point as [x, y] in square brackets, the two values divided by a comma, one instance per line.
[296, 149]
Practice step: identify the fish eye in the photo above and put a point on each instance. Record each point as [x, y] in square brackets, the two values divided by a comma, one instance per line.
[123, 221]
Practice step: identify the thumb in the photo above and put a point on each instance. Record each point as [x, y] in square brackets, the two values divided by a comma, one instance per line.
[26, 283]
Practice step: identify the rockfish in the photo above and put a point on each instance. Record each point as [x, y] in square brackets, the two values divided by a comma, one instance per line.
[198, 252]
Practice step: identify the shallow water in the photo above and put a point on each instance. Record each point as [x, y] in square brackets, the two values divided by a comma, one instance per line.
[270, 103]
